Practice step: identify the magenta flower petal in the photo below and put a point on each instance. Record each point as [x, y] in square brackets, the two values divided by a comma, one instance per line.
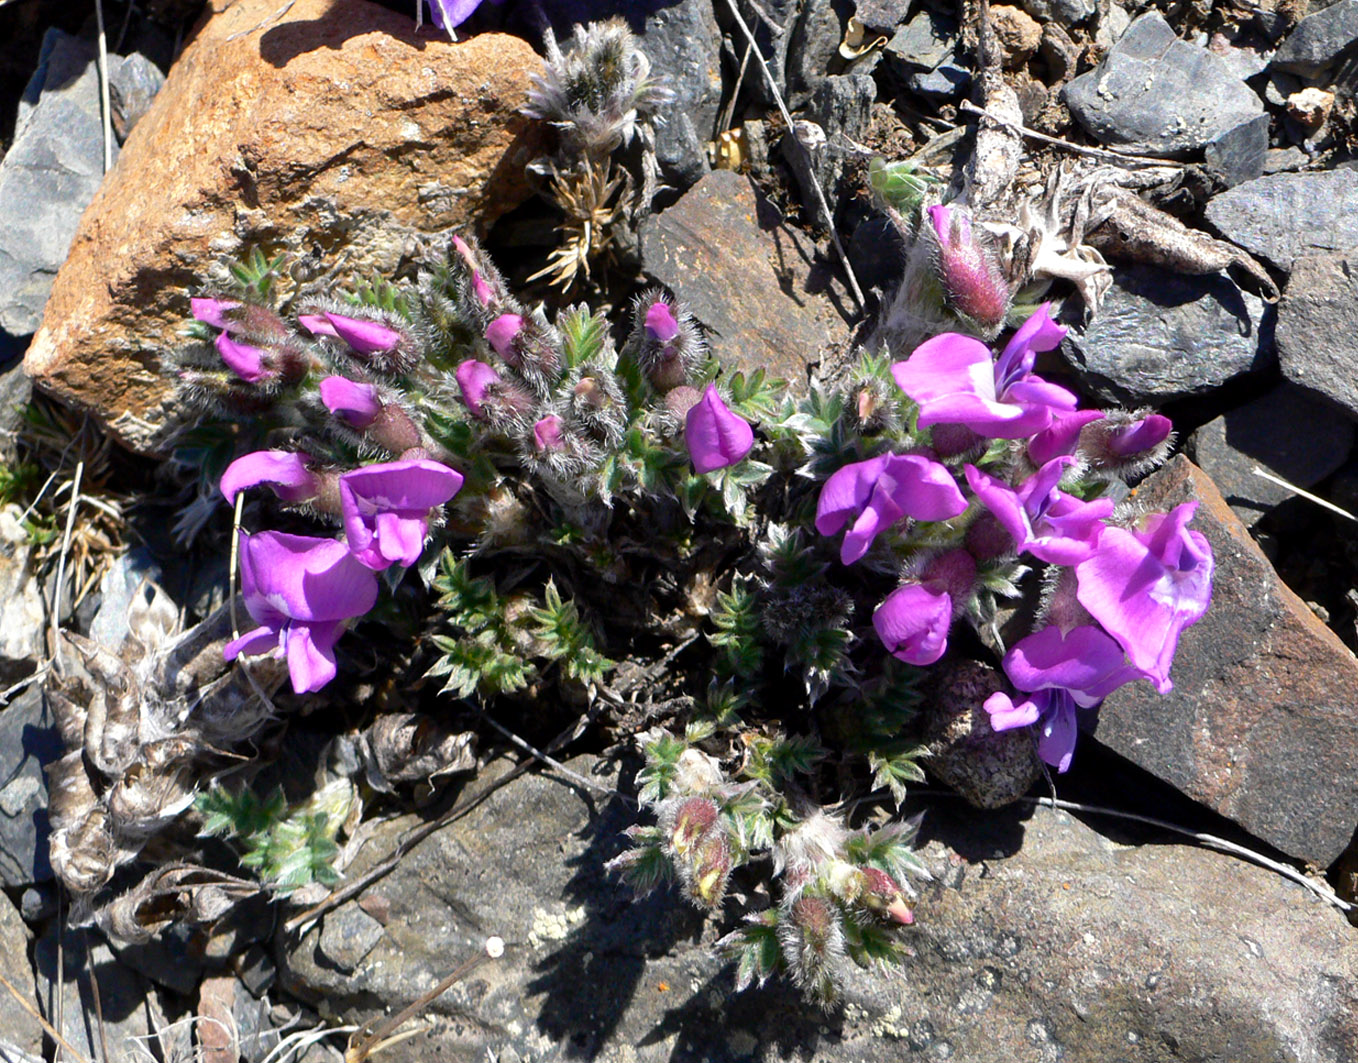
[365, 337]
[1056, 733]
[913, 623]
[213, 311]
[357, 405]
[254, 643]
[500, 334]
[1141, 436]
[1042, 519]
[245, 361]
[317, 325]
[547, 434]
[716, 437]
[447, 15]
[1002, 501]
[944, 366]
[285, 471]
[474, 378]
[1005, 714]
[1038, 333]
[407, 490]
[1062, 437]
[1032, 390]
[1145, 586]
[876, 493]
[1085, 662]
[1000, 420]
[311, 654]
[661, 324]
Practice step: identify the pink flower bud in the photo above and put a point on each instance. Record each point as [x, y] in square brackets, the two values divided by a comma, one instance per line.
[357, 405]
[661, 324]
[547, 434]
[716, 437]
[500, 334]
[317, 325]
[474, 378]
[972, 281]
[247, 362]
[213, 311]
[364, 336]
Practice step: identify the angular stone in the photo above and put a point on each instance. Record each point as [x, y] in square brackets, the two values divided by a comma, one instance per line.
[1282, 216]
[1317, 323]
[1289, 432]
[28, 743]
[842, 106]
[1162, 336]
[924, 42]
[48, 177]
[758, 286]
[1262, 723]
[331, 124]
[1238, 155]
[814, 47]
[23, 614]
[1157, 95]
[17, 1027]
[1318, 39]
[683, 43]
[132, 85]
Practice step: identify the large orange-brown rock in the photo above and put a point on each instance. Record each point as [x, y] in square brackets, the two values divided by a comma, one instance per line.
[332, 129]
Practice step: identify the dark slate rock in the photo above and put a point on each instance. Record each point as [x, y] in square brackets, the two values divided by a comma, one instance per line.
[18, 1031]
[28, 743]
[773, 43]
[1066, 13]
[1319, 39]
[133, 82]
[948, 81]
[925, 42]
[877, 253]
[1281, 216]
[758, 286]
[16, 388]
[814, 46]
[1160, 336]
[1262, 723]
[1317, 326]
[1288, 432]
[683, 44]
[1157, 95]
[1055, 950]
[842, 107]
[47, 178]
[882, 15]
[1238, 155]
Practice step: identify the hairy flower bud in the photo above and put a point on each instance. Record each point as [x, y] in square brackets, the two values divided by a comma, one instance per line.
[664, 342]
[693, 818]
[548, 435]
[354, 403]
[974, 287]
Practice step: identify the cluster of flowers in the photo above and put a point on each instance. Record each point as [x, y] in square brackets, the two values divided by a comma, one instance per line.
[357, 364]
[1122, 585]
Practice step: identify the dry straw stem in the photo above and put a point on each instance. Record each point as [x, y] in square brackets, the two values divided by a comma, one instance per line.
[1078, 149]
[362, 1044]
[47, 1027]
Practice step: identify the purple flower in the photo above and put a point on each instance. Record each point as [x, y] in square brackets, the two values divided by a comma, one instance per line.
[661, 324]
[547, 434]
[500, 334]
[913, 623]
[1145, 585]
[1139, 437]
[481, 289]
[876, 493]
[1062, 437]
[247, 362]
[954, 381]
[474, 378]
[447, 15]
[716, 437]
[300, 590]
[364, 336]
[1059, 673]
[213, 311]
[1043, 519]
[971, 278]
[357, 405]
[317, 325]
[386, 508]
[285, 471]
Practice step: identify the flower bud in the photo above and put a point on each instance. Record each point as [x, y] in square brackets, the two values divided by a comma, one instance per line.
[482, 292]
[475, 379]
[501, 334]
[548, 436]
[661, 324]
[597, 404]
[1126, 444]
[694, 818]
[878, 892]
[711, 869]
[973, 284]
[664, 343]
[357, 405]
[287, 472]
[913, 622]
[212, 311]
[247, 362]
[716, 437]
[364, 336]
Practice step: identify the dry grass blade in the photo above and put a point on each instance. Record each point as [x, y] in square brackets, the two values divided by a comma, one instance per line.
[361, 1046]
[61, 563]
[47, 1027]
[1078, 149]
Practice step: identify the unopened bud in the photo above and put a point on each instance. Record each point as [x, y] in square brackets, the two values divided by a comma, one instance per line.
[693, 819]
[711, 869]
[973, 284]
[354, 403]
[548, 434]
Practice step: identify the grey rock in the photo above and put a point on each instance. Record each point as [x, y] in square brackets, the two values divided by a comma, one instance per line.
[759, 287]
[23, 613]
[1281, 216]
[47, 178]
[16, 388]
[133, 572]
[28, 743]
[1157, 95]
[882, 15]
[1317, 323]
[243, 1029]
[18, 1031]
[772, 27]
[842, 107]
[1065, 12]
[133, 82]
[347, 936]
[1239, 154]
[1244, 63]
[1262, 723]
[1282, 160]
[814, 46]
[949, 80]
[683, 43]
[926, 41]
[1319, 39]
[131, 1007]
[1055, 950]
[1162, 336]
[1289, 432]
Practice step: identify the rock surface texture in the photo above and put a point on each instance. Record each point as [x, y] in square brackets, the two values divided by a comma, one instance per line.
[1282, 216]
[1317, 323]
[1262, 724]
[1158, 95]
[1070, 947]
[755, 284]
[332, 127]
